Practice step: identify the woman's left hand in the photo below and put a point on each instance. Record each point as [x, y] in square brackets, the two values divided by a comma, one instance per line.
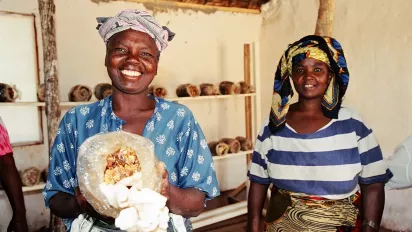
[165, 188]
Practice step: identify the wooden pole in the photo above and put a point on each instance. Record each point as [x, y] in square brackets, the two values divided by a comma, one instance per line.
[47, 11]
[248, 100]
[324, 24]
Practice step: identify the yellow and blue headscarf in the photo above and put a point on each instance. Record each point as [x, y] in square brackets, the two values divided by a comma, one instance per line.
[325, 49]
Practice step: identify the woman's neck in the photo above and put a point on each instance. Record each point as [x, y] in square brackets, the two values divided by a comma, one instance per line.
[309, 106]
[131, 103]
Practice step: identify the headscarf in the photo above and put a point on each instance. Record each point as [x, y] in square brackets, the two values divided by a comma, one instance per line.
[325, 49]
[136, 20]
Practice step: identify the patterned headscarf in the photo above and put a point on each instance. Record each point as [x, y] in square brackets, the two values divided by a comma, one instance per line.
[325, 49]
[136, 20]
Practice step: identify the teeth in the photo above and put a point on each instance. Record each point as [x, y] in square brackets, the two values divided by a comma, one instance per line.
[308, 86]
[131, 73]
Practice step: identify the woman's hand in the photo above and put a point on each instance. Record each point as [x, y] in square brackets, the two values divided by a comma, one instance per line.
[88, 209]
[165, 188]
[18, 223]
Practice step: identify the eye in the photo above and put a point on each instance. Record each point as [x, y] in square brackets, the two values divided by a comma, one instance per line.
[299, 70]
[317, 69]
[146, 54]
[120, 50]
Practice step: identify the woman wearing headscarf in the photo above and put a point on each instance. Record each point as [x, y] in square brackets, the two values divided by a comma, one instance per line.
[322, 160]
[134, 42]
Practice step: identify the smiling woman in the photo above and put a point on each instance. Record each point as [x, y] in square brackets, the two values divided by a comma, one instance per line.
[131, 61]
[317, 154]
[134, 41]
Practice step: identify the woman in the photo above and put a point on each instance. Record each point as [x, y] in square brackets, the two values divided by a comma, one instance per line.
[10, 180]
[134, 41]
[315, 153]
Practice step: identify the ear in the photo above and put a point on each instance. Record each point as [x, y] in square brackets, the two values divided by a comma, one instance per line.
[331, 76]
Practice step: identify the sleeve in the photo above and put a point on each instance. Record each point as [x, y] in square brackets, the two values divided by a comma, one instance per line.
[5, 146]
[258, 172]
[374, 169]
[62, 169]
[196, 167]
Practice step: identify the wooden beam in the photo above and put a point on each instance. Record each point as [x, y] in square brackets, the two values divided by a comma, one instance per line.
[324, 23]
[186, 5]
[248, 100]
[47, 11]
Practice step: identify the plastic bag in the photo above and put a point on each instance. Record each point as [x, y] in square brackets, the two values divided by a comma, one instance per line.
[91, 165]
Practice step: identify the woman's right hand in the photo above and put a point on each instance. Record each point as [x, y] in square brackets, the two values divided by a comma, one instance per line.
[87, 208]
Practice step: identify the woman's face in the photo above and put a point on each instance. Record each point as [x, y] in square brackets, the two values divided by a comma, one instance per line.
[311, 78]
[131, 61]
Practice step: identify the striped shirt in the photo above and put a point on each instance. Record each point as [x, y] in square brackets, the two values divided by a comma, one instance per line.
[330, 162]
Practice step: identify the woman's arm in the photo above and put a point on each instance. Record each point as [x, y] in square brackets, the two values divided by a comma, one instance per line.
[188, 202]
[256, 200]
[373, 201]
[12, 185]
[64, 205]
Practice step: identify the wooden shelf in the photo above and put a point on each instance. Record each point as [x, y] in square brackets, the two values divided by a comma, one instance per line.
[232, 155]
[22, 104]
[37, 187]
[179, 99]
[219, 214]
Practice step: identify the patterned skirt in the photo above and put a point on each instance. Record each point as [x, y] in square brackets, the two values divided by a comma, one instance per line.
[296, 213]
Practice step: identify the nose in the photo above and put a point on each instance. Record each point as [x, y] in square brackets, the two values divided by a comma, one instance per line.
[133, 59]
[308, 76]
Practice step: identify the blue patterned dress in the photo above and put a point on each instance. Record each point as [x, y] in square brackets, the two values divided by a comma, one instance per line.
[178, 139]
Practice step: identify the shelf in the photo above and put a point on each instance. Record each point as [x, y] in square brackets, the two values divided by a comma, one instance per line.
[209, 97]
[22, 104]
[219, 214]
[232, 155]
[36, 187]
[179, 99]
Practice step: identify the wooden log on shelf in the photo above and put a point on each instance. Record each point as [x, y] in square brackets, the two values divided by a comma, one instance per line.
[102, 90]
[30, 176]
[228, 88]
[245, 143]
[246, 88]
[187, 90]
[80, 93]
[47, 11]
[234, 145]
[158, 91]
[324, 23]
[218, 148]
[207, 89]
[41, 93]
[8, 93]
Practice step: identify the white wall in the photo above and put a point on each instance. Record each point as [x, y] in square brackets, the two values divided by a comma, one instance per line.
[376, 38]
[208, 47]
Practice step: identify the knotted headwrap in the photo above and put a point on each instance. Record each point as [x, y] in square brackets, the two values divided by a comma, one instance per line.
[136, 20]
[325, 49]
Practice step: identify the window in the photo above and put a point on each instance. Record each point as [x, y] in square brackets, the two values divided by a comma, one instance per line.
[19, 67]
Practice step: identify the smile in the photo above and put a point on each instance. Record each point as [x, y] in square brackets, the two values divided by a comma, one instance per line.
[309, 86]
[131, 73]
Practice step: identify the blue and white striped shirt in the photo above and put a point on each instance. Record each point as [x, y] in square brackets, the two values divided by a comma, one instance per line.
[330, 162]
